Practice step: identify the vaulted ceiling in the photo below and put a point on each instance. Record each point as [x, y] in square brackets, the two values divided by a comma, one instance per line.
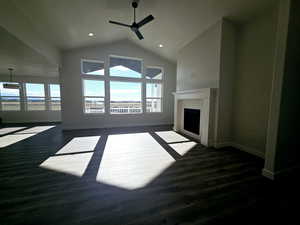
[25, 60]
[65, 24]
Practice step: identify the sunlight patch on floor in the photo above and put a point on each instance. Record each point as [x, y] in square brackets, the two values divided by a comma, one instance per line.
[12, 139]
[171, 136]
[74, 164]
[35, 130]
[80, 144]
[132, 161]
[7, 130]
[183, 148]
[75, 158]
[22, 135]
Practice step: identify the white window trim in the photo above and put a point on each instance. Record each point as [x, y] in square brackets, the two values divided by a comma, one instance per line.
[20, 101]
[49, 97]
[26, 97]
[107, 79]
[23, 96]
[93, 61]
[83, 96]
[140, 82]
[156, 81]
[161, 98]
[156, 67]
[126, 78]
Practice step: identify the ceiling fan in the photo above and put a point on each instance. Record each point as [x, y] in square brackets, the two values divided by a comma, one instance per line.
[135, 26]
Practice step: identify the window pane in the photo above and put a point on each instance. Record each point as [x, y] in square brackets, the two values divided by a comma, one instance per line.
[34, 104]
[7, 91]
[153, 105]
[10, 103]
[35, 90]
[153, 90]
[122, 67]
[154, 73]
[94, 105]
[94, 88]
[55, 104]
[125, 97]
[92, 68]
[54, 90]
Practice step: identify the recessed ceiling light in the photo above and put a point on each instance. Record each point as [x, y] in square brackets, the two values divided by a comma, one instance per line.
[91, 34]
[160, 45]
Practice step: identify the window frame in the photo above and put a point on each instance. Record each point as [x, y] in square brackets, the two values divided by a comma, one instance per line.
[20, 97]
[83, 95]
[123, 81]
[155, 67]
[155, 81]
[92, 61]
[49, 97]
[26, 97]
[125, 57]
[161, 98]
[127, 79]
[107, 79]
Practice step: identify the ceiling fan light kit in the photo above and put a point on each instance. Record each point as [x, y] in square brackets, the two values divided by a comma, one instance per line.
[135, 26]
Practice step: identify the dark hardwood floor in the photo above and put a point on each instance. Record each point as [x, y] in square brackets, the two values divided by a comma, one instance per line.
[204, 186]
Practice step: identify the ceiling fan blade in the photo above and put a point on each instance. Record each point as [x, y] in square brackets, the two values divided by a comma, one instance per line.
[138, 34]
[120, 24]
[145, 21]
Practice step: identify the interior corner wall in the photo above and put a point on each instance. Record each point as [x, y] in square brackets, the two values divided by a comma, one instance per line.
[30, 116]
[198, 62]
[255, 58]
[209, 62]
[73, 116]
[287, 150]
[225, 92]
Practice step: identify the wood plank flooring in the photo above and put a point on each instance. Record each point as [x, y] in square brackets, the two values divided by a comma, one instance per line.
[202, 186]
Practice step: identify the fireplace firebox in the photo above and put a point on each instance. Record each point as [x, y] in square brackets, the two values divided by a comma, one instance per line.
[191, 121]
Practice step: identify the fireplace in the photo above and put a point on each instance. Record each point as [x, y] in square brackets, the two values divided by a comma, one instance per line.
[189, 105]
[191, 121]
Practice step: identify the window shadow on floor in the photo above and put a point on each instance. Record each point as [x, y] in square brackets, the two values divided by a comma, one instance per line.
[202, 186]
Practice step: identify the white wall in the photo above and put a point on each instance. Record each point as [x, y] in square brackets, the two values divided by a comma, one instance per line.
[72, 107]
[287, 149]
[209, 62]
[255, 59]
[198, 62]
[226, 82]
[30, 116]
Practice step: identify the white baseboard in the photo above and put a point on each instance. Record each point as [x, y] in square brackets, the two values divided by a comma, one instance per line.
[280, 173]
[32, 121]
[223, 144]
[248, 149]
[268, 174]
[82, 127]
[244, 148]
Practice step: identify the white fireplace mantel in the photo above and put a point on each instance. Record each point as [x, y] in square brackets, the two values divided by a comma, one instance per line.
[207, 98]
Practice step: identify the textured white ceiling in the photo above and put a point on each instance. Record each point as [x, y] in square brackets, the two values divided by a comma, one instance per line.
[66, 23]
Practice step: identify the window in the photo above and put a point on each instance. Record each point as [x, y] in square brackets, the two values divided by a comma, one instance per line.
[130, 89]
[154, 73]
[94, 94]
[125, 97]
[55, 100]
[92, 67]
[154, 97]
[35, 96]
[10, 98]
[125, 67]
